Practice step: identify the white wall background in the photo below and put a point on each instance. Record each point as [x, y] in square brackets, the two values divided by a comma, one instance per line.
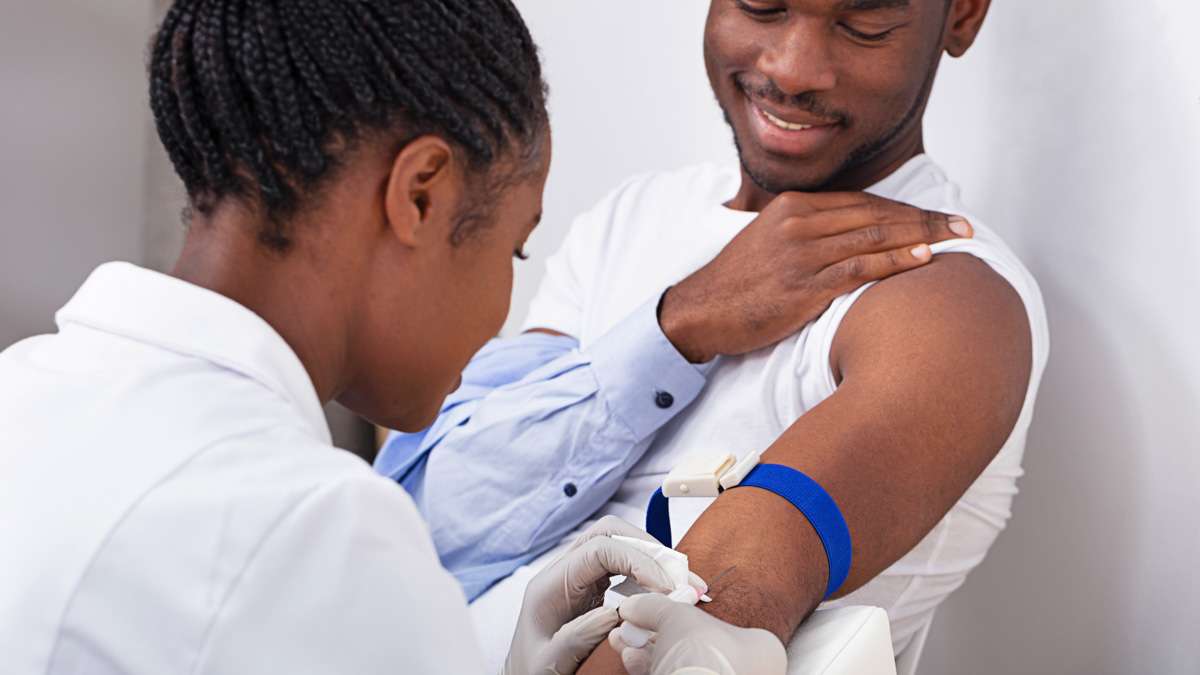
[628, 94]
[73, 132]
[1073, 126]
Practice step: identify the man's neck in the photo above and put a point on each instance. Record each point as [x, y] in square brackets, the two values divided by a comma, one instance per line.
[751, 197]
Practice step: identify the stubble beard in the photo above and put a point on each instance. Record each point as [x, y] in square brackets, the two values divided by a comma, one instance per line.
[856, 158]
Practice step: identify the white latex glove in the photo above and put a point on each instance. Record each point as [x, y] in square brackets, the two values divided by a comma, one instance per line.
[688, 641]
[563, 617]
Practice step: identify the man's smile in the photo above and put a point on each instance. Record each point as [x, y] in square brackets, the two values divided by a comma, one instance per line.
[788, 133]
[785, 125]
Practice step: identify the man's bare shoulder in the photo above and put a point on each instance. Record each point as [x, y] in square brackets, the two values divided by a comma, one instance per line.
[956, 297]
[955, 323]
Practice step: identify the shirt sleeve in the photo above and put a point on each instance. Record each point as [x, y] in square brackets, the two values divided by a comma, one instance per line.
[346, 582]
[539, 437]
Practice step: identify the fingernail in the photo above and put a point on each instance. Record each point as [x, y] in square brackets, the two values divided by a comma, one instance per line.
[960, 226]
[921, 252]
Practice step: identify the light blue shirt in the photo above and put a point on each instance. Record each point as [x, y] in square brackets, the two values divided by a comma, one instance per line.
[538, 437]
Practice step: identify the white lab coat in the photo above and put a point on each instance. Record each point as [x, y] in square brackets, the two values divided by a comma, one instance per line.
[170, 503]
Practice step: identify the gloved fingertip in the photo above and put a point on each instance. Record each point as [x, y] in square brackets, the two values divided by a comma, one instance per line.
[615, 641]
[637, 661]
[592, 626]
[572, 643]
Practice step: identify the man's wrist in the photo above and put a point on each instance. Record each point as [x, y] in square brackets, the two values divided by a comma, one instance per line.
[644, 378]
[679, 331]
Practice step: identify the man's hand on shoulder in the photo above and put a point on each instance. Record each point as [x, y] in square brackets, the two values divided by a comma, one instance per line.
[786, 267]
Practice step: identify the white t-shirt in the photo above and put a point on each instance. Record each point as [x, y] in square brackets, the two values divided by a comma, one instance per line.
[170, 503]
[657, 229]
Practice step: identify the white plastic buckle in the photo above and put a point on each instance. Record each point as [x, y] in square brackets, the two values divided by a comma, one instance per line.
[706, 476]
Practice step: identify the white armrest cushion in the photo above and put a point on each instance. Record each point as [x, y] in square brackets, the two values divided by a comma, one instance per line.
[843, 641]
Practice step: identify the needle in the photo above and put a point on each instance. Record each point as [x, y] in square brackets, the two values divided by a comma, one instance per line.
[720, 575]
[636, 637]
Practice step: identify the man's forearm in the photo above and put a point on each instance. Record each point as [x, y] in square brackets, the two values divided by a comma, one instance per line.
[781, 572]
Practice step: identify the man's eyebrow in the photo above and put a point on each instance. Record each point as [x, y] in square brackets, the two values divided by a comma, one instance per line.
[870, 5]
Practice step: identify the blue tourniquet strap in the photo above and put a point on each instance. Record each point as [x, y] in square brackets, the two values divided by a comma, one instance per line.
[658, 519]
[804, 493]
[817, 506]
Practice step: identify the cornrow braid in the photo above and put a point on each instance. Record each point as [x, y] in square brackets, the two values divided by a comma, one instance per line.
[250, 95]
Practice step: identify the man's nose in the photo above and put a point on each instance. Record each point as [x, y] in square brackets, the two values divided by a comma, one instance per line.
[800, 60]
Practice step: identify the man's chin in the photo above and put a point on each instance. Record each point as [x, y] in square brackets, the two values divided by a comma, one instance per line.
[777, 176]
[777, 181]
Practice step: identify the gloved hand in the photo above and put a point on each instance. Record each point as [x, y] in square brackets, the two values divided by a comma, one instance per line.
[688, 641]
[563, 617]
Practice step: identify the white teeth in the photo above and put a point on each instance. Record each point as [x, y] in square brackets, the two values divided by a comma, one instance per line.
[785, 125]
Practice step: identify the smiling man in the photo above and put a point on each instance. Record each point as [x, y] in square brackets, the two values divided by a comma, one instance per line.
[713, 310]
[793, 131]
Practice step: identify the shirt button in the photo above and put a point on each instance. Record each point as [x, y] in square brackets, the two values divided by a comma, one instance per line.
[570, 490]
[663, 399]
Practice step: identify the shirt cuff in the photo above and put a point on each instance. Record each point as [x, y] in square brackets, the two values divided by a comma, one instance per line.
[644, 379]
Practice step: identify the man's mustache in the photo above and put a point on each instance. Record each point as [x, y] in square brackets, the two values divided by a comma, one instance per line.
[806, 101]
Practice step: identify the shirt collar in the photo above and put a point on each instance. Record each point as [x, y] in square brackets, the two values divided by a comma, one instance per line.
[166, 312]
[911, 179]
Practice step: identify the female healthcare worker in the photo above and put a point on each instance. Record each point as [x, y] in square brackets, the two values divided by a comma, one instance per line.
[361, 173]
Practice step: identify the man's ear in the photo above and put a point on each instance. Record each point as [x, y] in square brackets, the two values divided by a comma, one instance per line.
[966, 18]
[423, 189]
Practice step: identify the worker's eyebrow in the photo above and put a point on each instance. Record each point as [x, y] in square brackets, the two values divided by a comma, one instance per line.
[870, 5]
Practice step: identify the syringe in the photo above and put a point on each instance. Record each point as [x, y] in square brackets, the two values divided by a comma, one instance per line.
[636, 637]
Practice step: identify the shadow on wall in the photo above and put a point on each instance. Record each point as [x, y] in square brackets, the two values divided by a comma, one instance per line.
[1096, 574]
[1067, 521]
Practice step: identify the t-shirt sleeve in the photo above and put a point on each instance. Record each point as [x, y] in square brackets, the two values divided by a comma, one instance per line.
[572, 271]
[346, 582]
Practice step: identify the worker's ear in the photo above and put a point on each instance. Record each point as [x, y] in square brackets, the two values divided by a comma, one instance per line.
[423, 190]
[966, 18]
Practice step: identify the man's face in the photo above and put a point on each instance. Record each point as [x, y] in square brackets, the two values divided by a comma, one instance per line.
[823, 94]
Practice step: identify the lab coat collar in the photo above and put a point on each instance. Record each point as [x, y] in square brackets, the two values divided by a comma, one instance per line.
[173, 314]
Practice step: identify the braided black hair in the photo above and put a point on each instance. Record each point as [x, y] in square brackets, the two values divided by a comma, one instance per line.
[249, 96]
